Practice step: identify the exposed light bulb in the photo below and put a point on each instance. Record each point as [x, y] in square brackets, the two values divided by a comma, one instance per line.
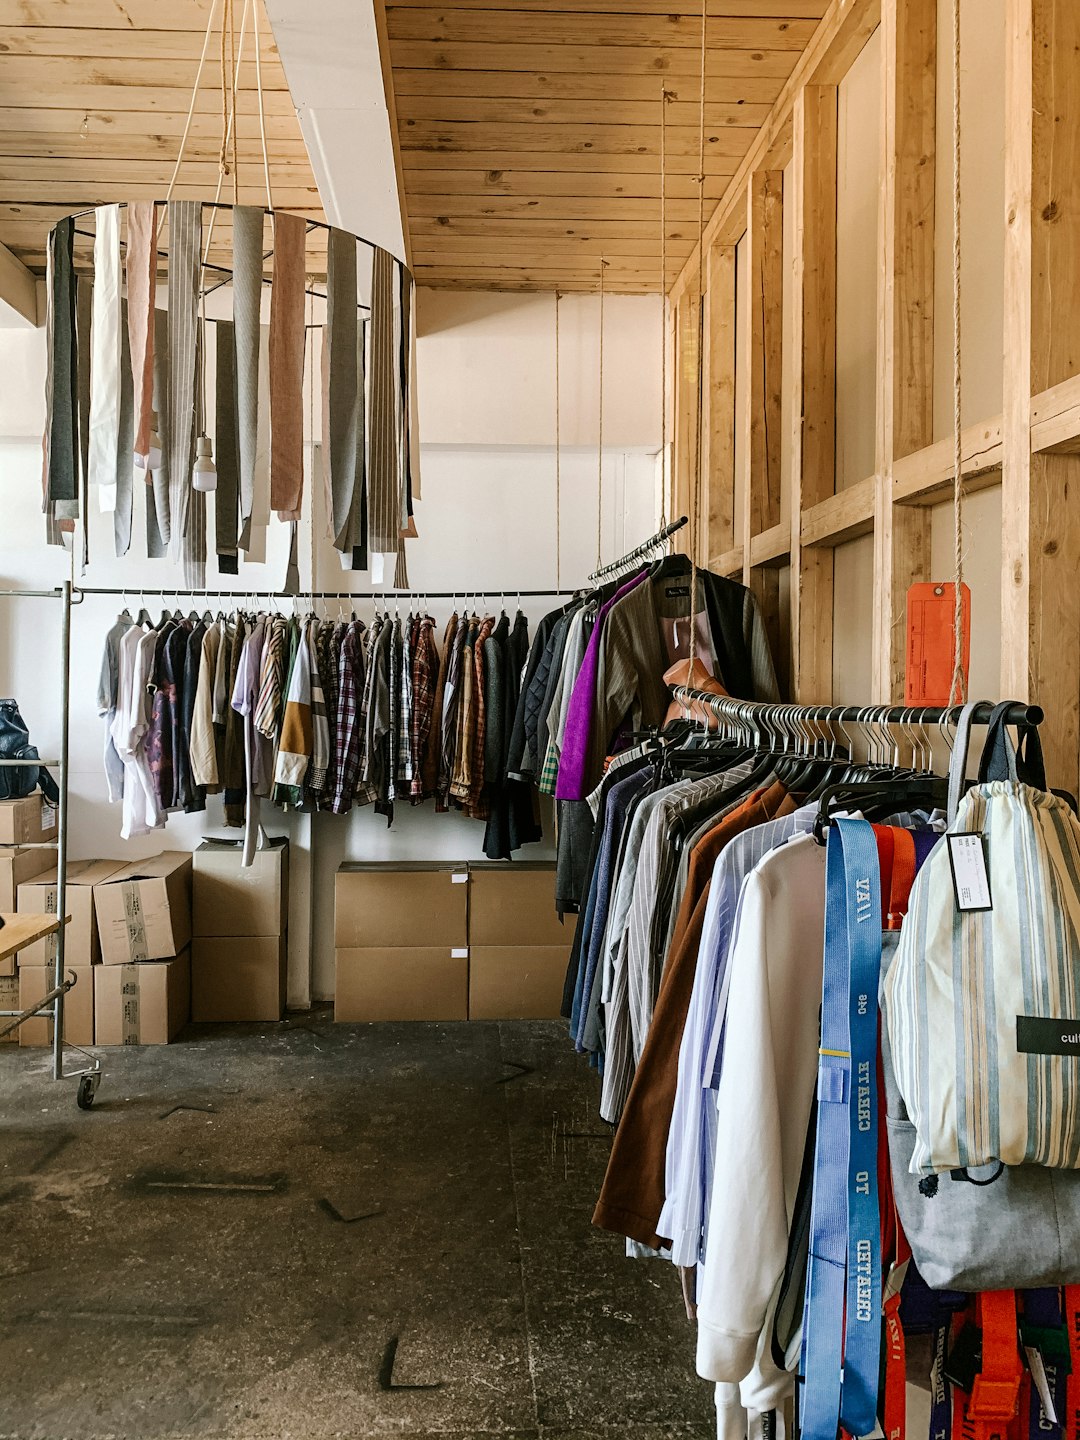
[152, 460]
[203, 473]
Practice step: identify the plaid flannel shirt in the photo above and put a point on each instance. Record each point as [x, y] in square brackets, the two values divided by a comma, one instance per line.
[366, 792]
[347, 734]
[424, 681]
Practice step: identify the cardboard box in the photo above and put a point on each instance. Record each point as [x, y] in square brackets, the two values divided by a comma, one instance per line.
[228, 899]
[144, 909]
[28, 822]
[402, 983]
[35, 982]
[17, 866]
[9, 1000]
[142, 1004]
[238, 978]
[38, 897]
[516, 982]
[419, 906]
[515, 905]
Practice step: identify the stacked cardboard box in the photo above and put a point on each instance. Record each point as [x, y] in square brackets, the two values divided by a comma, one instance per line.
[518, 947]
[33, 820]
[240, 922]
[16, 866]
[401, 942]
[142, 988]
[38, 896]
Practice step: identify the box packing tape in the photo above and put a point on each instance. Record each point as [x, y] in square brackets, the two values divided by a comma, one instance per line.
[133, 917]
[129, 1005]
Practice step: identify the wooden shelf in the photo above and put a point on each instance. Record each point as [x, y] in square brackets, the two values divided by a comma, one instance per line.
[772, 547]
[844, 516]
[20, 931]
[1055, 419]
[926, 476]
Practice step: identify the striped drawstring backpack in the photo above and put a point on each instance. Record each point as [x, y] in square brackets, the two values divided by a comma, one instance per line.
[982, 999]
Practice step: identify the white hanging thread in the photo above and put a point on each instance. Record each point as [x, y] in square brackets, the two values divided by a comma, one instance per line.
[558, 456]
[600, 427]
[695, 499]
[958, 685]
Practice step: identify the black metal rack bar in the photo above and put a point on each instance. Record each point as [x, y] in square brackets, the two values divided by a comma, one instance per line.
[641, 550]
[1019, 713]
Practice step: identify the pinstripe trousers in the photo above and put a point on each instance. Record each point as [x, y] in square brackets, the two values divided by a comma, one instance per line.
[158, 521]
[186, 504]
[247, 306]
[343, 399]
[384, 475]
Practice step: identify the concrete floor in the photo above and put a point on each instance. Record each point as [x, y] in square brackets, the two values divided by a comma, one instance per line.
[315, 1231]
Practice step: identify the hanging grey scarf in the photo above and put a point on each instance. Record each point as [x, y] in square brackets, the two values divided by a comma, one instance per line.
[247, 303]
[226, 506]
[187, 505]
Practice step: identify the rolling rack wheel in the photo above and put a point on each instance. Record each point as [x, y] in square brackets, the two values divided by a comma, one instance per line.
[88, 1087]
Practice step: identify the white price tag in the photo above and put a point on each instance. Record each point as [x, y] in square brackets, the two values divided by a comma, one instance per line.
[971, 880]
[459, 954]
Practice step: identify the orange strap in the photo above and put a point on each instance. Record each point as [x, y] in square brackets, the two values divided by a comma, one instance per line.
[903, 877]
[895, 1417]
[995, 1396]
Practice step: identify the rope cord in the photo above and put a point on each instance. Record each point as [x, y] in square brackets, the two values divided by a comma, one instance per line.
[600, 427]
[664, 97]
[695, 499]
[558, 456]
[230, 127]
[226, 26]
[262, 107]
[194, 97]
[958, 685]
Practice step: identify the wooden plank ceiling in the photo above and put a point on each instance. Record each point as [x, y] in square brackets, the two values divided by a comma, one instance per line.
[530, 135]
[93, 101]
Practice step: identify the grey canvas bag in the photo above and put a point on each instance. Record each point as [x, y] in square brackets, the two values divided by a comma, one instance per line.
[1013, 1227]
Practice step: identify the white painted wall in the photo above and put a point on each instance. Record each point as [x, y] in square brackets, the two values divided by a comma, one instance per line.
[486, 522]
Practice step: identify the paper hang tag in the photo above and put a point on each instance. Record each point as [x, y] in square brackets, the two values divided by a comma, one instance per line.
[1038, 1374]
[458, 878]
[929, 669]
[971, 881]
[48, 815]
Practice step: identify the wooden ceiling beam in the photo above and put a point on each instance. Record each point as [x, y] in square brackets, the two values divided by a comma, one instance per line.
[533, 26]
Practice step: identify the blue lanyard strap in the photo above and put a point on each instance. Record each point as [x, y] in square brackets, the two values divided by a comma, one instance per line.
[845, 1239]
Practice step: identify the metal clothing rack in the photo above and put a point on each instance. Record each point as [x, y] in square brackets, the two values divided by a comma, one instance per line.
[792, 722]
[640, 551]
[52, 1004]
[131, 592]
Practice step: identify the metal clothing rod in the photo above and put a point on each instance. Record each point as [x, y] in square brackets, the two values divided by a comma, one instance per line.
[133, 592]
[1018, 713]
[641, 550]
[228, 205]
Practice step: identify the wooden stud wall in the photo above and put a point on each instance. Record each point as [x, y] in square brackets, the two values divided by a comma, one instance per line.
[1031, 449]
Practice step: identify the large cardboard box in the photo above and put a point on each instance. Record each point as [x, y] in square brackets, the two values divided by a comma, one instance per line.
[38, 897]
[9, 1000]
[419, 906]
[402, 983]
[17, 866]
[229, 899]
[35, 982]
[238, 977]
[514, 904]
[142, 1004]
[31, 821]
[516, 982]
[144, 909]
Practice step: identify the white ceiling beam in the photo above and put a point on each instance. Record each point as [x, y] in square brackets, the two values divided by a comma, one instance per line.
[18, 292]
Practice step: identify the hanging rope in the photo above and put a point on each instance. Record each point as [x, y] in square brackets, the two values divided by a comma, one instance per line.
[665, 96]
[695, 498]
[600, 427]
[262, 107]
[558, 456]
[229, 131]
[958, 686]
[226, 27]
[194, 97]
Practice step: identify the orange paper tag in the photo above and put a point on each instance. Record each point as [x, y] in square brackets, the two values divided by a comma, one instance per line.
[930, 642]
